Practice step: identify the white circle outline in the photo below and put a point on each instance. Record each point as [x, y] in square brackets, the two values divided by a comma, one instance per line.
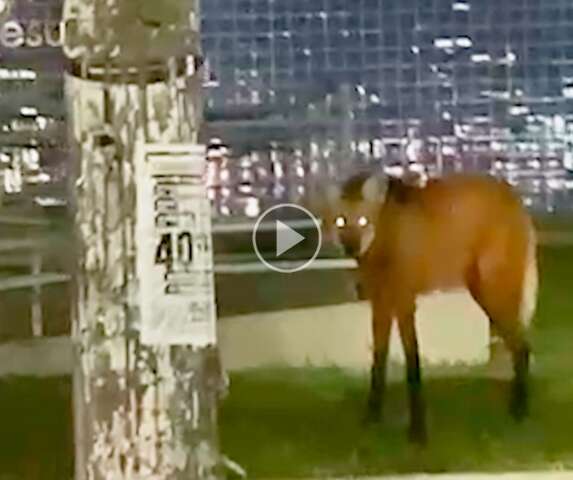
[260, 256]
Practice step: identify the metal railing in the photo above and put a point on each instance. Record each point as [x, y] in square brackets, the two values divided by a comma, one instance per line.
[227, 264]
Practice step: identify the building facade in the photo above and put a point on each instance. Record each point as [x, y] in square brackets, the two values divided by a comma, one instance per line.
[489, 77]
[32, 130]
[441, 62]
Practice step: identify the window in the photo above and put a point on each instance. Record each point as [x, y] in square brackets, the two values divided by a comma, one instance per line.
[262, 24]
[354, 58]
[372, 40]
[372, 21]
[335, 59]
[390, 39]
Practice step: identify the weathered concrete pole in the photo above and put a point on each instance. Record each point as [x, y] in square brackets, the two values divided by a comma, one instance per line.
[143, 409]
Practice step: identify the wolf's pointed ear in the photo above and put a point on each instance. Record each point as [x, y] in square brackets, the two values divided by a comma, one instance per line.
[375, 189]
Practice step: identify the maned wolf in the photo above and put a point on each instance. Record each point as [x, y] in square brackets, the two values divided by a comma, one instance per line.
[458, 231]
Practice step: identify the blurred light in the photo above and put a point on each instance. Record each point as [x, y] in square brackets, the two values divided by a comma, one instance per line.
[568, 92]
[225, 210]
[39, 178]
[415, 49]
[448, 150]
[42, 122]
[464, 42]
[534, 163]
[29, 111]
[361, 90]
[23, 74]
[378, 148]
[511, 165]
[252, 208]
[31, 158]
[225, 192]
[49, 202]
[443, 43]
[278, 169]
[245, 188]
[461, 7]
[480, 57]
[555, 184]
[375, 99]
[518, 110]
[314, 149]
[300, 171]
[416, 167]
[395, 170]
[413, 150]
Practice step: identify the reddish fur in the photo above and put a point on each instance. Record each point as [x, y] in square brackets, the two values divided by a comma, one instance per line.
[460, 231]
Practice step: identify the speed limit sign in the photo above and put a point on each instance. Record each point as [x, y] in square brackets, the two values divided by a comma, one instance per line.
[174, 247]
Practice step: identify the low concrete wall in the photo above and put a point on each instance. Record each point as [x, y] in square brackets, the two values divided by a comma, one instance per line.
[41, 357]
[451, 330]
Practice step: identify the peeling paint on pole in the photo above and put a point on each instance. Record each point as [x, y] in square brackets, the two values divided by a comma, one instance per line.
[143, 411]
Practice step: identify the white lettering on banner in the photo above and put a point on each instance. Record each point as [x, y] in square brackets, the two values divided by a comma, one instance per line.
[32, 34]
[175, 255]
[12, 35]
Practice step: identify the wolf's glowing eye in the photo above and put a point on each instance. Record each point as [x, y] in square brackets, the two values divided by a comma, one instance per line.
[362, 221]
[340, 222]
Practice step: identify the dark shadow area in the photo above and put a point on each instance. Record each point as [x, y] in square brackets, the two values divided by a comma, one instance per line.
[37, 432]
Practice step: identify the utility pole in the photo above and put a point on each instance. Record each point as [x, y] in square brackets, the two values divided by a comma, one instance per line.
[147, 373]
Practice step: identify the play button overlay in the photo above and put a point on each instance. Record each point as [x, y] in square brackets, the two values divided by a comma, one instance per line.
[287, 238]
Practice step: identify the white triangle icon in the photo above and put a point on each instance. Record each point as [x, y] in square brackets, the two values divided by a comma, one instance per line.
[286, 237]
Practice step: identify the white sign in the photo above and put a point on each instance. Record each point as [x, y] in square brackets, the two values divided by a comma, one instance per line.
[175, 253]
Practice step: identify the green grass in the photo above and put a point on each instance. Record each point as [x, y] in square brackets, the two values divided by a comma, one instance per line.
[299, 422]
[36, 426]
[552, 223]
